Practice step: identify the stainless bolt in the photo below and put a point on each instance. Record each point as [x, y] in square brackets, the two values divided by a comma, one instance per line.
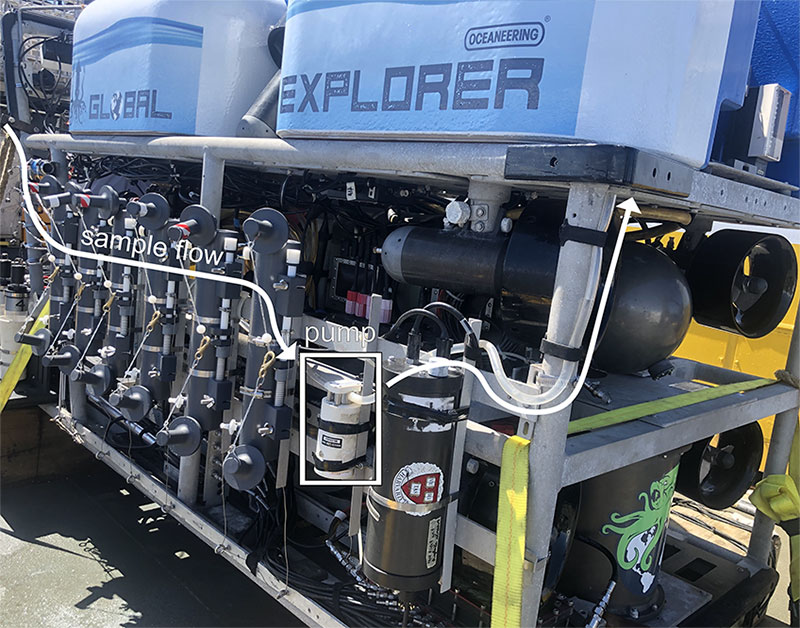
[506, 224]
[472, 466]
[457, 212]
[480, 211]
[480, 226]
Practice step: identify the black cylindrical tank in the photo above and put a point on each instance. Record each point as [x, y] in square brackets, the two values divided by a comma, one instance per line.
[647, 318]
[406, 520]
[650, 313]
[627, 512]
[465, 261]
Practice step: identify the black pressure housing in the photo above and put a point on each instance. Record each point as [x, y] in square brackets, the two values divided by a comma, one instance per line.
[89, 313]
[202, 376]
[118, 337]
[417, 448]
[154, 376]
[647, 317]
[627, 512]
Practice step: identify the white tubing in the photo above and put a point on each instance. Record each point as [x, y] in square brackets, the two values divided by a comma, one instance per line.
[359, 400]
[519, 390]
[23, 160]
[582, 320]
[440, 362]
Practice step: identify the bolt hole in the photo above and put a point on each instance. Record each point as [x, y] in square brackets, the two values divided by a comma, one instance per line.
[746, 199]
[669, 176]
[655, 172]
[553, 162]
[722, 192]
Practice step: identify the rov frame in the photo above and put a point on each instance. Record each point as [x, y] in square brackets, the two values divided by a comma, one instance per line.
[592, 178]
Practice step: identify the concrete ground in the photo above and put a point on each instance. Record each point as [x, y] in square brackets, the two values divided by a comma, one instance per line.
[778, 608]
[87, 551]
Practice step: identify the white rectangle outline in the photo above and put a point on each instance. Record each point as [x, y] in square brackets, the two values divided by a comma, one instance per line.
[377, 386]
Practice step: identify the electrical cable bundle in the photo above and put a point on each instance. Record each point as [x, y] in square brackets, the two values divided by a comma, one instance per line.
[355, 604]
[48, 99]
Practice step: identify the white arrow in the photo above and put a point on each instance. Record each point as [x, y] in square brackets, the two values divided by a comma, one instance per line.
[288, 352]
[629, 206]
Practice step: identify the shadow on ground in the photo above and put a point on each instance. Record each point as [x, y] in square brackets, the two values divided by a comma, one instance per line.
[89, 550]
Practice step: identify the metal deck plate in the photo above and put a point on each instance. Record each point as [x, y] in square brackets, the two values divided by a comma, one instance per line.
[682, 599]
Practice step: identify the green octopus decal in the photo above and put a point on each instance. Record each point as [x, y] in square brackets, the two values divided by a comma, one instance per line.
[641, 531]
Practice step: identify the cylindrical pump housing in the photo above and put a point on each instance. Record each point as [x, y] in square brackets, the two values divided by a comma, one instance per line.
[418, 437]
[341, 436]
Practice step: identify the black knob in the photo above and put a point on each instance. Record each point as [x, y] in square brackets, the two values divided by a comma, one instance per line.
[183, 436]
[38, 341]
[87, 377]
[182, 230]
[244, 467]
[134, 403]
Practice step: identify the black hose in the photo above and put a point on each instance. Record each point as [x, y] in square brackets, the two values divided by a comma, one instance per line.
[457, 315]
[418, 313]
[108, 427]
[604, 550]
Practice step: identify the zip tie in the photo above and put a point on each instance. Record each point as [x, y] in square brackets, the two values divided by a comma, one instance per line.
[202, 348]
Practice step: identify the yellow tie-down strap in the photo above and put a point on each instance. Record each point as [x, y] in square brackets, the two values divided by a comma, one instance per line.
[512, 511]
[20, 361]
[777, 496]
[640, 410]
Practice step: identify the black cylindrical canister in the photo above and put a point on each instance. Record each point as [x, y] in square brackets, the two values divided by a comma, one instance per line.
[627, 512]
[405, 525]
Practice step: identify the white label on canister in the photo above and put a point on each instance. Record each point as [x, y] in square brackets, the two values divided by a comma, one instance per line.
[432, 547]
[330, 441]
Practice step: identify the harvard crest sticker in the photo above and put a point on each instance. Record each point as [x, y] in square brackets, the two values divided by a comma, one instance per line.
[418, 483]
